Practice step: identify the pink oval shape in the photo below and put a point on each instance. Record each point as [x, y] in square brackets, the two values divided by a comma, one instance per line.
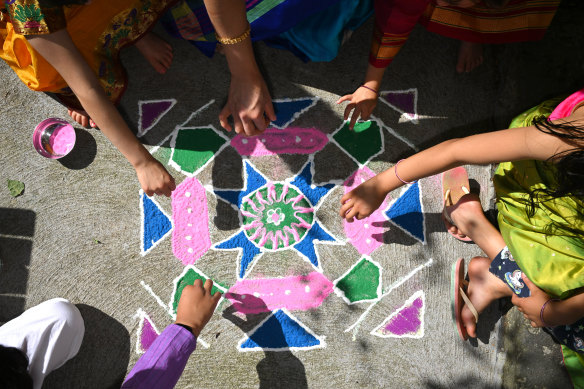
[274, 141]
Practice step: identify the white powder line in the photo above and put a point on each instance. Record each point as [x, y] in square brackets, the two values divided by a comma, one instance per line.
[397, 135]
[396, 284]
[158, 299]
[191, 116]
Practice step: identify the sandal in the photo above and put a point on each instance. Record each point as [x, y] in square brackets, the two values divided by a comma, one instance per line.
[454, 186]
[458, 297]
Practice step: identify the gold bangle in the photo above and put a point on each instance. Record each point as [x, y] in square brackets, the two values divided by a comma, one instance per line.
[233, 41]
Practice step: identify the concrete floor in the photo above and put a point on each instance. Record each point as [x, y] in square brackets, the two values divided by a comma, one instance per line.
[75, 232]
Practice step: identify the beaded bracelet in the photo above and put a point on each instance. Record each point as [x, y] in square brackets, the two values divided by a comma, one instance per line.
[233, 41]
[371, 89]
[542, 309]
[397, 175]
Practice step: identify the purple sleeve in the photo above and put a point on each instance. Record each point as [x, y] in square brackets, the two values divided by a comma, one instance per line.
[162, 365]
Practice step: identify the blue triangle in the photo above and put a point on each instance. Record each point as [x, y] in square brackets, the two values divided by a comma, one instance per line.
[249, 250]
[407, 214]
[303, 182]
[306, 245]
[254, 181]
[288, 111]
[280, 331]
[155, 223]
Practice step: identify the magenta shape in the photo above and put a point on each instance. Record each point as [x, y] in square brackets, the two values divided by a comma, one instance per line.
[365, 234]
[274, 141]
[402, 100]
[190, 236]
[407, 320]
[148, 335]
[268, 294]
[153, 111]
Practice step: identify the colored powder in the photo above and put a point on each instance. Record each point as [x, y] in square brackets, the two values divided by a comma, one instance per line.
[407, 319]
[62, 140]
[362, 282]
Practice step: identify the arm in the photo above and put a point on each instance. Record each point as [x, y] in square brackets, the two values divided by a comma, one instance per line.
[162, 365]
[506, 145]
[555, 313]
[248, 97]
[58, 49]
[394, 21]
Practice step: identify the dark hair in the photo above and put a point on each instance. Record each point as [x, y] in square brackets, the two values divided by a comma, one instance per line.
[569, 168]
[488, 3]
[13, 369]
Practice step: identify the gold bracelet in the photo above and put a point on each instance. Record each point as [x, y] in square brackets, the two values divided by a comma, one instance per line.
[233, 41]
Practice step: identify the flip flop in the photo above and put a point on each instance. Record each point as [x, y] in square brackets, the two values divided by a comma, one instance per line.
[458, 297]
[454, 185]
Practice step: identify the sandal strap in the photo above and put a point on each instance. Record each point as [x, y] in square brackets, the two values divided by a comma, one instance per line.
[470, 306]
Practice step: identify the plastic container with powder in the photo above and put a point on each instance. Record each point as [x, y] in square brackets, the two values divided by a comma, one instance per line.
[54, 138]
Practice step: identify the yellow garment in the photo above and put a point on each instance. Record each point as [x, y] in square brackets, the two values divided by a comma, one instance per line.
[99, 30]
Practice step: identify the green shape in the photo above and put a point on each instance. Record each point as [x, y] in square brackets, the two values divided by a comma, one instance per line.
[363, 142]
[162, 155]
[362, 282]
[15, 187]
[189, 278]
[195, 147]
[284, 215]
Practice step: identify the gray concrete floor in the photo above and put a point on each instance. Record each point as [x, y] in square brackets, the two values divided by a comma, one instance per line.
[48, 235]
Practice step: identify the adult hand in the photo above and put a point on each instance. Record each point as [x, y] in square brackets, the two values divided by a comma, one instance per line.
[362, 201]
[154, 178]
[196, 305]
[250, 105]
[531, 306]
[361, 102]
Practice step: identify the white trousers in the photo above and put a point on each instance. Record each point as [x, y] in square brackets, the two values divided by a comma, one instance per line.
[49, 334]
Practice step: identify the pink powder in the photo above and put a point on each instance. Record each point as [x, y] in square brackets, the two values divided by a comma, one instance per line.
[62, 140]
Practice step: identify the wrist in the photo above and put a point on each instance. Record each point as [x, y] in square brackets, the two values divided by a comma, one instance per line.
[191, 327]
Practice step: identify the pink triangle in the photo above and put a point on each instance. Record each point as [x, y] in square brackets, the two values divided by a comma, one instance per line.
[151, 112]
[148, 334]
[402, 101]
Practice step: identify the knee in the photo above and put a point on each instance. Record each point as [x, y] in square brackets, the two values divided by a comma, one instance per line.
[68, 316]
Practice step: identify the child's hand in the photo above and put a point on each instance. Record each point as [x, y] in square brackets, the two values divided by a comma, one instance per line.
[362, 201]
[531, 306]
[154, 178]
[363, 101]
[196, 305]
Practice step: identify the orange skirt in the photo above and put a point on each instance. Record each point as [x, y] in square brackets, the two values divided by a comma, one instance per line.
[99, 30]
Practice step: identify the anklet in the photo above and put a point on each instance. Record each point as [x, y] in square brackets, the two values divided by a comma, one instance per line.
[398, 177]
[233, 41]
[371, 89]
[542, 309]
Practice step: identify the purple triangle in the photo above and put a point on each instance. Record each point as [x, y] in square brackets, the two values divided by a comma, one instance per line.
[404, 101]
[152, 111]
[407, 320]
[148, 335]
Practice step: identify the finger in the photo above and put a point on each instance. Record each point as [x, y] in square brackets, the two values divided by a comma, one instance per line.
[249, 127]
[217, 296]
[269, 108]
[344, 209]
[348, 110]
[534, 324]
[238, 125]
[198, 283]
[208, 285]
[166, 191]
[172, 184]
[149, 192]
[356, 114]
[260, 123]
[351, 214]
[223, 116]
[346, 197]
[344, 98]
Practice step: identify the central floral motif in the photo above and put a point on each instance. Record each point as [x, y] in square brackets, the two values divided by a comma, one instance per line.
[276, 216]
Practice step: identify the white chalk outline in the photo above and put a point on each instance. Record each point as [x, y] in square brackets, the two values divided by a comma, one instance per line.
[174, 137]
[143, 223]
[355, 326]
[396, 134]
[297, 114]
[420, 334]
[143, 316]
[409, 116]
[342, 295]
[332, 139]
[404, 190]
[143, 131]
[247, 336]
[288, 181]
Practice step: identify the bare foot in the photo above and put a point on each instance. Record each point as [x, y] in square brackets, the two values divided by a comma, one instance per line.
[81, 117]
[470, 55]
[483, 288]
[156, 51]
